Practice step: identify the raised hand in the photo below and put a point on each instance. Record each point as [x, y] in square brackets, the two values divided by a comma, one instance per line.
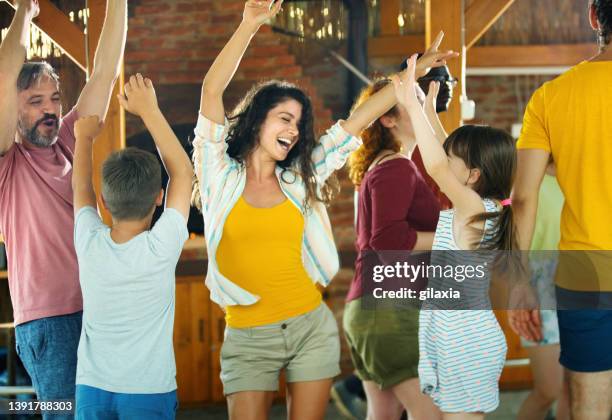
[31, 7]
[431, 98]
[139, 96]
[257, 12]
[405, 84]
[87, 128]
[433, 58]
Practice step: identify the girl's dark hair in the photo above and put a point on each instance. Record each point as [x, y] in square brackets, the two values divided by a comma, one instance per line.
[375, 138]
[243, 137]
[493, 153]
[603, 9]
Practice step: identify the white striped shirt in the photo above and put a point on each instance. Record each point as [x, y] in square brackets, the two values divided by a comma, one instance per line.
[461, 352]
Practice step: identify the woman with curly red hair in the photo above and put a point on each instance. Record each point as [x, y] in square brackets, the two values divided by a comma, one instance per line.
[396, 210]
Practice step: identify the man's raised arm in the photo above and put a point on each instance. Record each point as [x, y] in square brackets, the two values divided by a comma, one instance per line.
[12, 56]
[95, 97]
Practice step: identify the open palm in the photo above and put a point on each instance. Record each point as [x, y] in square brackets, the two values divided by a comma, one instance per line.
[433, 57]
[404, 84]
[257, 12]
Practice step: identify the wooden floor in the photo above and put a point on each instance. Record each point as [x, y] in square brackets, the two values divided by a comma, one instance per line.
[510, 403]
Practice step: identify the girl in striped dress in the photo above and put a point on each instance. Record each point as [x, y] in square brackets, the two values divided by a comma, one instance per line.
[462, 352]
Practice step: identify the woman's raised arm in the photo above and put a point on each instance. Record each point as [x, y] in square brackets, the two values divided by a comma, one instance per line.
[382, 101]
[224, 67]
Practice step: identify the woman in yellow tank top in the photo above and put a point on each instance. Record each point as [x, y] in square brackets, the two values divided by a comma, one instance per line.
[267, 242]
[261, 181]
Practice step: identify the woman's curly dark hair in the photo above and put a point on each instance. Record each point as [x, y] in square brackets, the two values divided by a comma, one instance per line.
[245, 123]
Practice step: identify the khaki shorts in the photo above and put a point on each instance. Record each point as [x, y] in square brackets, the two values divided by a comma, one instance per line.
[306, 346]
[384, 342]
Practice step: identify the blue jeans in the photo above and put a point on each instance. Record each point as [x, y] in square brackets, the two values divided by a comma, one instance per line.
[97, 404]
[48, 349]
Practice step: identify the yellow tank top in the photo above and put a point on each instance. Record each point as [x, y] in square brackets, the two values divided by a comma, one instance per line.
[261, 251]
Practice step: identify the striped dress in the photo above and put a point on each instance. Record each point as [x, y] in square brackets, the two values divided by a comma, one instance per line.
[462, 352]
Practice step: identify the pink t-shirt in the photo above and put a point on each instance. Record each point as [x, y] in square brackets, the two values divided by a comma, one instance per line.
[37, 221]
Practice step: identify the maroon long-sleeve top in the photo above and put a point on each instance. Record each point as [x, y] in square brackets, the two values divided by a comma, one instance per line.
[394, 204]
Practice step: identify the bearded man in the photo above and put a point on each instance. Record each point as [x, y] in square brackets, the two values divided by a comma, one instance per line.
[36, 211]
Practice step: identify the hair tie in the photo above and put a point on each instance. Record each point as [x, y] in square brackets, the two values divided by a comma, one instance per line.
[506, 202]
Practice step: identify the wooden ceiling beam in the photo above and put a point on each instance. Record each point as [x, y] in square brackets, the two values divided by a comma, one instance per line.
[395, 46]
[64, 33]
[480, 16]
[554, 55]
[551, 55]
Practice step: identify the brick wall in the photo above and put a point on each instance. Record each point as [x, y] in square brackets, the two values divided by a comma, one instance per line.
[501, 100]
[175, 42]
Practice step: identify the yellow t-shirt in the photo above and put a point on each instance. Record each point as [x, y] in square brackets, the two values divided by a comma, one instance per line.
[261, 251]
[571, 117]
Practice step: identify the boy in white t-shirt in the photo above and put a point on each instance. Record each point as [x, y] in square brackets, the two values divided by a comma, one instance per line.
[126, 366]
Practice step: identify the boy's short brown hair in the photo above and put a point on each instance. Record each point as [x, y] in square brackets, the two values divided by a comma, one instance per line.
[131, 181]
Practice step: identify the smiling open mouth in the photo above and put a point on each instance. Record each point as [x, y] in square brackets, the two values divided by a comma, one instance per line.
[284, 143]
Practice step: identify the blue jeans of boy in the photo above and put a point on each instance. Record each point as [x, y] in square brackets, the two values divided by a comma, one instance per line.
[97, 404]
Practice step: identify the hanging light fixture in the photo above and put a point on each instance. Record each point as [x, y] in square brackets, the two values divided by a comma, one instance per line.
[410, 19]
[324, 19]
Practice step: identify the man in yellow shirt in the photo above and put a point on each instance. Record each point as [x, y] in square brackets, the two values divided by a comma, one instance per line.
[571, 118]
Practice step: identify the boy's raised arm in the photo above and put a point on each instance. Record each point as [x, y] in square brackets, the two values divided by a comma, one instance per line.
[140, 100]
